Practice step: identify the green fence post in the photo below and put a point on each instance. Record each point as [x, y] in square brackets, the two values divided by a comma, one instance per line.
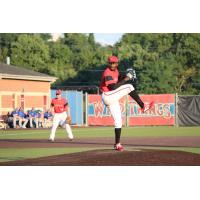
[176, 110]
[86, 109]
[127, 118]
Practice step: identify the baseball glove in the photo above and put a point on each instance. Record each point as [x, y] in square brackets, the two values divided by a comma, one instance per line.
[131, 73]
[68, 120]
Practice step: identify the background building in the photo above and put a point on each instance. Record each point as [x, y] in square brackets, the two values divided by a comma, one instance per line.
[21, 87]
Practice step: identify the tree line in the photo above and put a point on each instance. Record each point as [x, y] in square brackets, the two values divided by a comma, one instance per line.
[164, 62]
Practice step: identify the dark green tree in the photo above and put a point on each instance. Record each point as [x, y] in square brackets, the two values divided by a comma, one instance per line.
[6, 40]
[91, 41]
[60, 62]
[164, 62]
[30, 51]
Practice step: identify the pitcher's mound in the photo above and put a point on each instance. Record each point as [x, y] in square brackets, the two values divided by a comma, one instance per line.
[114, 158]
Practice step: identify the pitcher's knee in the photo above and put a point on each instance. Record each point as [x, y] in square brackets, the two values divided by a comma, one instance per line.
[131, 87]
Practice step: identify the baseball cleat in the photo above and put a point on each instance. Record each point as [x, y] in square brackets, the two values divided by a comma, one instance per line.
[71, 137]
[51, 140]
[147, 107]
[118, 147]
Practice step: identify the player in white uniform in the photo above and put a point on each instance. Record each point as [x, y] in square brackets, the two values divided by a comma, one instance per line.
[113, 89]
[60, 108]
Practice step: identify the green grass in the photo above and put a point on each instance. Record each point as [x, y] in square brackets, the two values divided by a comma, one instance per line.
[104, 132]
[8, 154]
[11, 154]
[191, 150]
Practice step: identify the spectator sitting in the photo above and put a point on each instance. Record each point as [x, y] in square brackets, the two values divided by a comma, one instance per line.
[15, 117]
[9, 120]
[32, 117]
[48, 119]
[39, 119]
[22, 118]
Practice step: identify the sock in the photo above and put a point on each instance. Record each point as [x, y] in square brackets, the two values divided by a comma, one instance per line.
[136, 97]
[117, 135]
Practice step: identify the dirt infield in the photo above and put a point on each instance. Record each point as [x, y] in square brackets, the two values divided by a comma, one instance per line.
[183, 141]
[112, 158]
[135, 154]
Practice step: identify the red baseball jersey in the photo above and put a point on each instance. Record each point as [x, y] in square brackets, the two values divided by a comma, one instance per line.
[108, 77]
[60, 105]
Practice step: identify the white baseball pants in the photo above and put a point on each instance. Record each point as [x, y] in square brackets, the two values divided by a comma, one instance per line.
[111, 99]
[60, 119]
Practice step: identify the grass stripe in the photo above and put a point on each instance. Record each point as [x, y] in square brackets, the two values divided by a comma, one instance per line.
[11, 154]
[105, 132]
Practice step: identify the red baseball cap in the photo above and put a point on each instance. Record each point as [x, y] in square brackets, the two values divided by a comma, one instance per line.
[58, 92]
[113, 59]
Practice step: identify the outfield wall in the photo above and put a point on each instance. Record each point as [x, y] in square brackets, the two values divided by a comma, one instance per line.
[88, 109]
[163, 112]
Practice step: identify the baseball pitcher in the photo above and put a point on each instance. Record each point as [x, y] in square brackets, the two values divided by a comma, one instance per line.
[113, 88]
